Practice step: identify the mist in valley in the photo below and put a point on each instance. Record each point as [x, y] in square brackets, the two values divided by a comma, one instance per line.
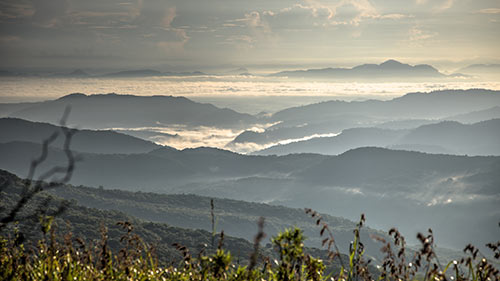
[190, 119]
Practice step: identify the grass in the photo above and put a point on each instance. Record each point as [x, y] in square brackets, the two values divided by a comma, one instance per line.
[70, 258]
[53, 257]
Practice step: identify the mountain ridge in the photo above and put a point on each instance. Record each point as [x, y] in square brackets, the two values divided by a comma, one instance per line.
[446, 137]
[367, 180]
[389, 69]
[102, 111]
[331, 117]
[107, 142]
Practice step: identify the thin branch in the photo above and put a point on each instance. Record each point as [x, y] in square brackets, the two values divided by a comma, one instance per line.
[32, 188]
[260, 235]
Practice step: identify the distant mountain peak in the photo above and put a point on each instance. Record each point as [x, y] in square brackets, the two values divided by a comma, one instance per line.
[79, 72]
[237, 71]
[471, 91]
[134, 73]
[389, 69]
[392, 62]
[207, 150]
[113, 110]
[73, 96]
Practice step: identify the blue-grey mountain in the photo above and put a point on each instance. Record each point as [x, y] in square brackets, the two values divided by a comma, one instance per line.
[128, 111]
[107, 142]
[448, 137]
[388, 70]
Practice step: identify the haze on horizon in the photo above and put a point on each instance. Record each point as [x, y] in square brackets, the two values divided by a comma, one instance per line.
[197, 35]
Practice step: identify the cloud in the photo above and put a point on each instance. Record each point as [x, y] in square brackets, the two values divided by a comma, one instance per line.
[314, 14]
[156, 14]
[416, 33]
[239, 40]
[254, 29]
[395, 16]
[248, 147]
[176, 44]
[444, 6]
[9, 39]
[315, 11]
[346, 12]
[490, 11]
[258, 26]
[169, 16]
[16, 9]
[298, 16]
[195, 137]
[436, 5]
[296, 31]
[49, 13]
[142, 24]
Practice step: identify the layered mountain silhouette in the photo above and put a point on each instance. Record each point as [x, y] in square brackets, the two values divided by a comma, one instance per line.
[448, 137]
[77, 73]
[148, 73]
[107, 142]
[456, 195]
[488, 71]
[335, 116]
[134, 73]
[127, 111]
[83, 219]
[366, 180]
[477, 116]
[237, 218]
[432, 105]
[348, 139]
[390, 69]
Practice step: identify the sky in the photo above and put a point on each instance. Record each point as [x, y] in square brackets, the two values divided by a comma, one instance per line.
[193, 34]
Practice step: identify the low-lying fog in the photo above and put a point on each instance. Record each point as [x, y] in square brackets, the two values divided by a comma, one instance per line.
[250, 94]
[244, 94]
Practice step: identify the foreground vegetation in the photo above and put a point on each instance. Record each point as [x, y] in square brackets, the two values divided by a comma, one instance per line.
[69, 258]
[38, 242]
[48, 254]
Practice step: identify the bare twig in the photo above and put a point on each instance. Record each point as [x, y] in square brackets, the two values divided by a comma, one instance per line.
[33, 187]
[260, 235]
[329, 240]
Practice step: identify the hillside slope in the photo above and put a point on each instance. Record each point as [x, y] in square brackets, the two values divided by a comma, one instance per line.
[236, 218]
[128, 111]
[107, 142]
[86, 223]
[448, 137]
[334, 116]
[438, 191]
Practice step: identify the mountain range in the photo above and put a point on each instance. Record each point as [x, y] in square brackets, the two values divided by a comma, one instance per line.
[148, 73]
[388, 70]
[457, 196]
[127, 111]
[106, 142]
[483, 71]
[237, 218]
[151, 117]
[79, 73]
[332, 117]
[431, 105]
[81, 221]
[447, 137]
[438, 191]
